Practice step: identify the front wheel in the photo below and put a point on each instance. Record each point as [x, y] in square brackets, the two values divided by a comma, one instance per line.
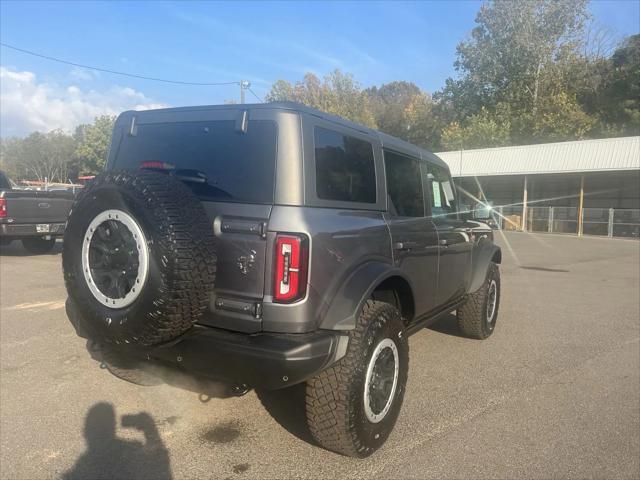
[38, 245]
[353, 406]
[478, 315]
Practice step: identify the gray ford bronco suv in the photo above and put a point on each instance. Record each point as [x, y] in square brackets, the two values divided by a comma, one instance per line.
[273, 244]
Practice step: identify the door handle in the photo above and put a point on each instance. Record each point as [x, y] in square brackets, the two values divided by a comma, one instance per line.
[443, 242]
[404, 246]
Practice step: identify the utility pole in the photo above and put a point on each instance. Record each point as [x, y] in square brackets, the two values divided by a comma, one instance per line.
[244, 84]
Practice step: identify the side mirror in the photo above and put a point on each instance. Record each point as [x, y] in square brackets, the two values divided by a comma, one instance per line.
[482, 211]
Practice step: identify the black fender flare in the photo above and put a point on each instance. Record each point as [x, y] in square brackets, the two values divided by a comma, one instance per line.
[483, 255]
[354, 292]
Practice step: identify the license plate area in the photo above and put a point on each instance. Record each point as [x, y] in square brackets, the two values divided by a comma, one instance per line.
[43, 228]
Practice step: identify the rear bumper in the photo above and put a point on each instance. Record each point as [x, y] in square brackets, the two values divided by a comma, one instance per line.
[21, 230]
[261, 360]
[265, 360]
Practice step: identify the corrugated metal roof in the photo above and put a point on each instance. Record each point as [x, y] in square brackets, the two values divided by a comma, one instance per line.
[582, 156]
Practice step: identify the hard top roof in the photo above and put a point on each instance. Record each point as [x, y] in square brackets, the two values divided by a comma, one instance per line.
[385, 139]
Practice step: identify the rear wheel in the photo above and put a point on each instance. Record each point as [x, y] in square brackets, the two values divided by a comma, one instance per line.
[477, 317]
[38, 245]
[4, 241]
[353, 406]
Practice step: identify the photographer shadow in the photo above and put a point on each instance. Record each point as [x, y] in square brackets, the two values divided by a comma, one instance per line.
[108, 456]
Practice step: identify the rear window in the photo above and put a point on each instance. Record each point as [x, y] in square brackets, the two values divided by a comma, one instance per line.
[345, 169]
[233, 166]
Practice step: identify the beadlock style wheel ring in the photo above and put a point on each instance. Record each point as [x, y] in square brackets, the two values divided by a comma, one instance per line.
[115, 258]
[492, 301]
[381, 380]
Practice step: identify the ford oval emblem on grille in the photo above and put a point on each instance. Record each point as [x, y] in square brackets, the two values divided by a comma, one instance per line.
[44, 205]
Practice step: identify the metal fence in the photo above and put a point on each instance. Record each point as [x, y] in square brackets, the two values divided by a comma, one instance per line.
[607, 222]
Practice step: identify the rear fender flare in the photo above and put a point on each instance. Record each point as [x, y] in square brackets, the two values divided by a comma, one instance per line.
[354, 292]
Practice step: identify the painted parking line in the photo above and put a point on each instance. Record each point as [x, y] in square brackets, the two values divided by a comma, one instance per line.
[37, 306]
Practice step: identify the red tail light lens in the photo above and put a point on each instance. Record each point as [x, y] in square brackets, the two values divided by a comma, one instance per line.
[3, 208]
[292, 257]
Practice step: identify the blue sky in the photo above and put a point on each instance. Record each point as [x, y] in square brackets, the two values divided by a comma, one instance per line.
[217, 42]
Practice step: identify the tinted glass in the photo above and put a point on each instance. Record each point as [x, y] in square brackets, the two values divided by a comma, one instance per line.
[404, 185]
[345, 169]
[442, 198]
[238, 167]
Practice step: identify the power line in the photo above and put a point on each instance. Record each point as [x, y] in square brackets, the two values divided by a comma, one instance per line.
[254, 94]
[125, 74]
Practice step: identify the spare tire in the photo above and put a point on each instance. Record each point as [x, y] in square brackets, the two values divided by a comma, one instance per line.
[139, 258]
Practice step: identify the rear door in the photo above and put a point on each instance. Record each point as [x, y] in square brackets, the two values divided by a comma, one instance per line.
[228, 160]
[413, 235]
[455, 242]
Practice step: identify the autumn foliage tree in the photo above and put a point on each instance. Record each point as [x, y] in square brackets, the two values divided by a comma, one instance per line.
[58, 156]
[526, 74]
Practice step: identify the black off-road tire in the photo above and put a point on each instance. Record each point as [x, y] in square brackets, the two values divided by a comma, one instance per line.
[181, 258]
[473, 318]
[335, 398]
[38, 245]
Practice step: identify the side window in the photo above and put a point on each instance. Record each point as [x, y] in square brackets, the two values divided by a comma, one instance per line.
[345, 170]
[404, 186]
[442, 198]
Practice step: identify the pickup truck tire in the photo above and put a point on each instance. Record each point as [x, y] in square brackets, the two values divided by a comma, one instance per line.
[478, 315]
[139, 258]
[352, 406]
[37, 245]
[4, 241]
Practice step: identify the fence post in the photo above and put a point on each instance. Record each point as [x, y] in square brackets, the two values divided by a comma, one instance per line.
[524, 205]
[610, 226]
[581, 207]
[550, 226]
[500, 219]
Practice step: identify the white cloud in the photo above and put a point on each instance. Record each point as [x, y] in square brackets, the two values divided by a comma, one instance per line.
[83, 74]
[27, 105]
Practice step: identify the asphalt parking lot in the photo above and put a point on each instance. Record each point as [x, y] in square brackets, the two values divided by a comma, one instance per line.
[554, 393]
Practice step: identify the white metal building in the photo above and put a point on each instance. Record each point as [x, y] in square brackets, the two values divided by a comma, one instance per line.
[584, 187]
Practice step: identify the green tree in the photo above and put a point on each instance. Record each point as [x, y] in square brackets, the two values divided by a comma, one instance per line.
[9, 151]
[336, 93]
[40, 156]
[516, 62]
[618, 99]
[403, 110]
[92, 144]
[480, 130]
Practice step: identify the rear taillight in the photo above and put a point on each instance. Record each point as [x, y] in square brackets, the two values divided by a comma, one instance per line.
[292, 257]
[3, 208]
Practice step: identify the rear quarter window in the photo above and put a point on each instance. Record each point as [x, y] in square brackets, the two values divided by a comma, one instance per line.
[238, 167]
[345, 169]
